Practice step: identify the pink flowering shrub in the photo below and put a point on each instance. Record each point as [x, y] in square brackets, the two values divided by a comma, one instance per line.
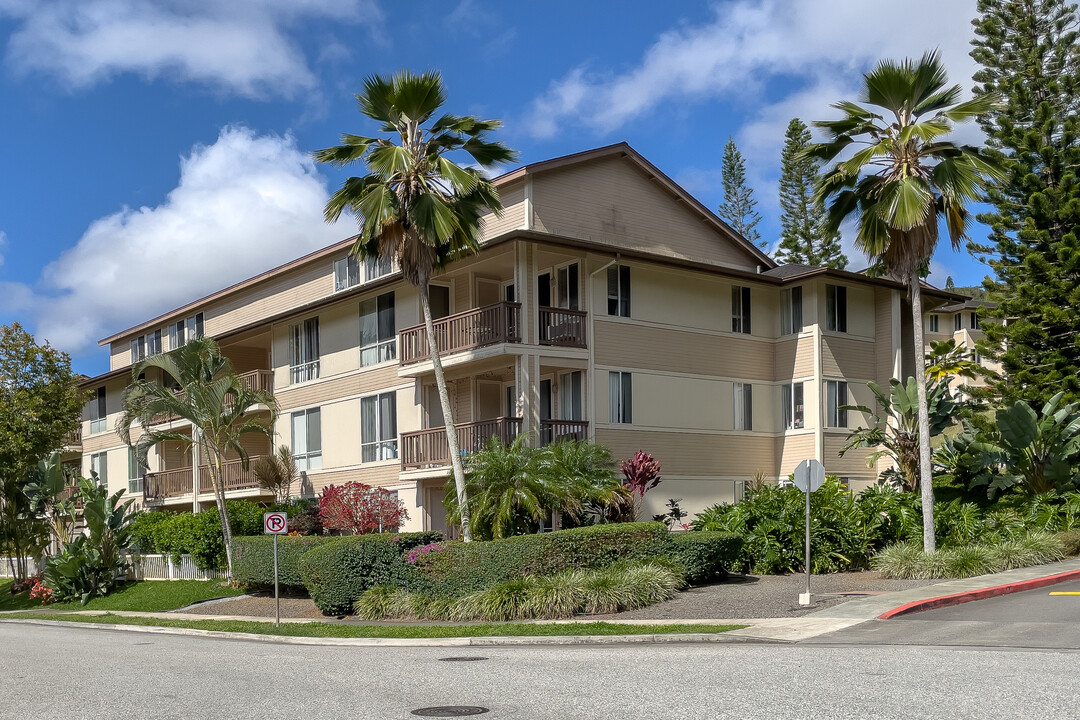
[418, 552]
[40, 591]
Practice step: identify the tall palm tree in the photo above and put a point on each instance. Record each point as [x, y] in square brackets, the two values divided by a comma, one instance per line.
[415, 205]
[904, 177]
[211, 396]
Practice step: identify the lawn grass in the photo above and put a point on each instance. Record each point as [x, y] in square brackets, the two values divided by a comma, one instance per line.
[328, 630]
[145, 596]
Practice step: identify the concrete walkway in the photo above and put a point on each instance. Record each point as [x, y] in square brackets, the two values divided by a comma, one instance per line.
[781, 630]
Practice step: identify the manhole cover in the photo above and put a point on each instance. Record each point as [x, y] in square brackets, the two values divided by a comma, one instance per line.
[450, 711]
[462, 659]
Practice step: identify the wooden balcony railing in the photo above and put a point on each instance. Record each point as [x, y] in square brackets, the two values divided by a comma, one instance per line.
[67, 493]
[559, 326]
[73, 438]
[488, 325]
[428, 448]
[552, 431]
[176, 483]
[254, 380]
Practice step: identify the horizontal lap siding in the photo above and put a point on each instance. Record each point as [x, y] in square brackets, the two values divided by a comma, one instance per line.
[847, 358]
[316, 393]
[378, 476]
[637, 346]
[794, 358]
[883, 349]
[512, 216]
[688, 453]
[854, 461]
[793, 449]
[610, 201]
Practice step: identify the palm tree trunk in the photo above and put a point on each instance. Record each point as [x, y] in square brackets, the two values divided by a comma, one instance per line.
[219, 499]
[926, 477]
[448, 415]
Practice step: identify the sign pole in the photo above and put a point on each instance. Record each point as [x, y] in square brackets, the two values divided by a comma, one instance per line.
[808, 477]
[276, 523]
[277, 599]
[807, 494]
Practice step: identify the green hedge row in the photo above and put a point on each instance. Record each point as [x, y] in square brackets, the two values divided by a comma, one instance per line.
[198, 535]
[705, 555]
[253, 560]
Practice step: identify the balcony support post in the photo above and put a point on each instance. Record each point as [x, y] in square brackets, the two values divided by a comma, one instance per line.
[196, 461]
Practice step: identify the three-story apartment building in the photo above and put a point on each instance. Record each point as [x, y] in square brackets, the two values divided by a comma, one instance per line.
[605, 303]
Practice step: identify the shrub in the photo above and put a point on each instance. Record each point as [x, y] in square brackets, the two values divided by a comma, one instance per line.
[336, 573]
[198, 535]
[361, 509]
[1070, 542]
[705, 555]
[144, 529]
[907, 560]
[253, 559]
[464, 568]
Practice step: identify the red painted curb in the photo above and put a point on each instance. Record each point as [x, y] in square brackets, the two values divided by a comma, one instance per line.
[956, 599]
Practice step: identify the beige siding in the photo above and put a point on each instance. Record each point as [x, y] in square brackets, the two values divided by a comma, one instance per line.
[323, 391]
[628, 345]
[793, 449]
[853, 464]
[692, 454]
[513, 213]
[374, 475]
[847, 358]
[794, 358]
[883, 334]
[610, 201]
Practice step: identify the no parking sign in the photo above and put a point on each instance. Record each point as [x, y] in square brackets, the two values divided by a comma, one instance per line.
[275, 523]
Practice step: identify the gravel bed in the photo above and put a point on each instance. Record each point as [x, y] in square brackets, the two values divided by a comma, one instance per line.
[750, 596]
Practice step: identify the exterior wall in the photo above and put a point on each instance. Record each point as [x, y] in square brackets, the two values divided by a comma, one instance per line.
[513, 213]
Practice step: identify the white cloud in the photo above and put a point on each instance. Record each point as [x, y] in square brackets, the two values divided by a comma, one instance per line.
[242, 46]
[749, 42]
[244, 204]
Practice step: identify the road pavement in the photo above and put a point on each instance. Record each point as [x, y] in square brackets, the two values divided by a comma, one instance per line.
[1029, 619]
[62, 672]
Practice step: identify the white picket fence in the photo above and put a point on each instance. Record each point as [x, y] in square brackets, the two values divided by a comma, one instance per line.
[144, 567]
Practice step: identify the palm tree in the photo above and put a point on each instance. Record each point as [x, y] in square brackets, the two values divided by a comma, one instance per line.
[211, 396]
[277, 473]
[897, 186]
[415, 205]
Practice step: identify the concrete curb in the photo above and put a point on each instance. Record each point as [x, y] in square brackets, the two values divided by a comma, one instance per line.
[980, 594]
[512, 641]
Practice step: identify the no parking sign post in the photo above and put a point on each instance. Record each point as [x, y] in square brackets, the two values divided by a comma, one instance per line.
[276, 523]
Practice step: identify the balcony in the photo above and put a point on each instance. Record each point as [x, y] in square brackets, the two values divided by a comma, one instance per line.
[74, 438]
[159, 486]
[428, 448]
[562, 327]
[489, 325]
[254, 380]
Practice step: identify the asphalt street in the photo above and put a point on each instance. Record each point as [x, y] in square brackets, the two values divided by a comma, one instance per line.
[1030, 619]
[85, 673]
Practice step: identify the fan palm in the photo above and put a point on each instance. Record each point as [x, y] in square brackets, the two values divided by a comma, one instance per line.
[211, 396]
[901, 178]
[415, 205]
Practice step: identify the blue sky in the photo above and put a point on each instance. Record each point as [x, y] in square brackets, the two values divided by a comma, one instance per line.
[156, 150]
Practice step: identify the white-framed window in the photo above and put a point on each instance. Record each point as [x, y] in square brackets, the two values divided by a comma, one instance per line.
[974, 320]
[791, 311]
[349, 271]
[184, 331]
[136, 472]
[568, 290]
[836, 308]
[618, 290]
[621, 397]
[933, 324]
[146, 345]
[304, 350]
[740, 309]
[570, 396]
[99, 465]
[836, 397]
[792, 406]
[958, 322]
[378, 427]
[743, 403]
[378, 330]
[307, 439]
[98, 414]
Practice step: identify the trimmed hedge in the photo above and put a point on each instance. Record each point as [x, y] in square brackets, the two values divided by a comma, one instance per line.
[253, 559]
[706, 555]
[337, 572]
[462, 569]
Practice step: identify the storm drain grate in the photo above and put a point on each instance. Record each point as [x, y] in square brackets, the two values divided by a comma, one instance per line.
[445, 711]
[463, 658]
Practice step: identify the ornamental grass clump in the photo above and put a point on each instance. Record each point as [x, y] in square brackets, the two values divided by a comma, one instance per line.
[908, 561]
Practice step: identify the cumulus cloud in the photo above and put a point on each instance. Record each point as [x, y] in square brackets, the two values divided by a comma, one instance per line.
[244, 204]
[242, 46]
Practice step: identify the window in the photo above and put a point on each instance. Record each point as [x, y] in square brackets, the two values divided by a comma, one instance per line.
[835, 399]
[98, 419]
[378, 330]
[136, 472]
[958, 322]
[744, 406]
[570, 396]
[307, 439]
[99, 465]
[933, 324]
[304, 350]
[620, 397]
[836, 308]
[182, 332]
[740, 309]
[566, 281]
[145, 345]
[618, 290]
[378, 427]
[350, 271]
[791, 398]
[791, 311]
[974, 320]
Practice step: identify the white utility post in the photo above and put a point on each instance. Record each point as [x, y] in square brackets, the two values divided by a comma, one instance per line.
[808, 477]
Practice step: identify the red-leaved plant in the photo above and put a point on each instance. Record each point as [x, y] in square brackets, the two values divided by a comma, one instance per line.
[361, 509]
[40, 591]
[641, 473]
